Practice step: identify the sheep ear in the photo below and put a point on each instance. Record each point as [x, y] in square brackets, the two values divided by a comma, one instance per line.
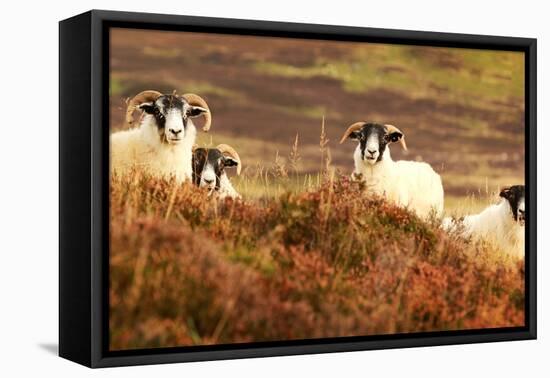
[147, 107]
[355, 135]
[195, 111]
[395, 135]
[230, 162]
[506, 193]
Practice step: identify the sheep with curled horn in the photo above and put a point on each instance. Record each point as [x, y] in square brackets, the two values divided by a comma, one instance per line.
[209, 169]
[411, 184]
[162, 142]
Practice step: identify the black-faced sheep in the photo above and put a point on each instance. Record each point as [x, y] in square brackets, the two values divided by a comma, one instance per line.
[162, 143]
[503, 223]
[209, 169]
[411, 184]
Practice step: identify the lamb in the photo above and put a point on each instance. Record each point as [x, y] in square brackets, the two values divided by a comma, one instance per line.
[162, 143]
[209, 169]
[410, 184]
[502, 224]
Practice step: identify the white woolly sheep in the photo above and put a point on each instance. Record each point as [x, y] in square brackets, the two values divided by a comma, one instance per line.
[411, 184]
[162, 143]
[209, 169]
[502, 224]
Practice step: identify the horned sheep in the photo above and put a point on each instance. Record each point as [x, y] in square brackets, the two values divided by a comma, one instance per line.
[209, 170]
[162, 143]
[411, 184]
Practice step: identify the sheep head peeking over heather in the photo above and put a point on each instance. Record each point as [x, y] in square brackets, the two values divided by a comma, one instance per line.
[209, 169]
[515, 196]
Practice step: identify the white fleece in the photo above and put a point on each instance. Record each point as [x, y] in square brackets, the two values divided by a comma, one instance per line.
[141, 147]
[410, 184]
[494, 224]
[226, 188]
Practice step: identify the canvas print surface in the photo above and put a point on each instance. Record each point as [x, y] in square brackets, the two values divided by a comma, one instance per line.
[277, 189]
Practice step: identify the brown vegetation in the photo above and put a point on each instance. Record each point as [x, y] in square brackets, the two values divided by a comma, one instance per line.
[185, 270]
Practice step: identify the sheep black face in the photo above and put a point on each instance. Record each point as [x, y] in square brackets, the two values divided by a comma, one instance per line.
[373, 139]
[172, 114]
[515, 195]
[209, 165]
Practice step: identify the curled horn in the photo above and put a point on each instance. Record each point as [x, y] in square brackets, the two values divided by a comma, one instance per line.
[140, 98]
[356, 126]
[392, 129]
[228, 150]
[197, 100]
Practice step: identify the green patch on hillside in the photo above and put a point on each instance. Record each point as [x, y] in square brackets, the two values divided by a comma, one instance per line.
[472, 77]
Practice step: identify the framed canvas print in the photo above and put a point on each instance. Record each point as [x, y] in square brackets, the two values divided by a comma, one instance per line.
[234, 188]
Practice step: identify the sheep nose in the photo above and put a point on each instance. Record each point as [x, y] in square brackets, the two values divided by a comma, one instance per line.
[372, 152]
[175, 132]
[208, 181]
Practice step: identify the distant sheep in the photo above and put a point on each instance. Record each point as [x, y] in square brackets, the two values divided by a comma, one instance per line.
[502, 224]
[209, 169]
[162, 143]
[411, 184]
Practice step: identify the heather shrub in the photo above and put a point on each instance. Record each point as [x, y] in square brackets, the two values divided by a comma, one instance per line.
[328, 262]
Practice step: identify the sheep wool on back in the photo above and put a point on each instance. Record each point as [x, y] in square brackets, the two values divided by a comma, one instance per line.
[496, 225]
[410, 184]
[141, 148]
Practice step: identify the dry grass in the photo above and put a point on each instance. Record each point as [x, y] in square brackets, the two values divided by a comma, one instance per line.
[320, 262]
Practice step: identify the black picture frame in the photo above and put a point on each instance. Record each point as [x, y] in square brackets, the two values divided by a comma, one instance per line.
[84, 184]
